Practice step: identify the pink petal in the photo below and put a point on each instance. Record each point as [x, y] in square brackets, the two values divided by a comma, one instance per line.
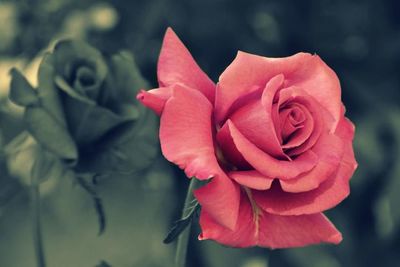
[329, 149]
[229, 150]
[186, 140]
[303, 70]
[155, 99]
[268, 165]
[297, 231]
[254, 120]
[268, 230]
[220, 199]
[302, 135]
[251, 179]
[186, 135]
[329, 193]
[176, 65]
[346, 130]
[312, 131]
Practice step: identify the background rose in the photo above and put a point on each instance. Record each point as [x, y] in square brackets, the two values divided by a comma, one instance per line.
[272, 136]
[82, 109]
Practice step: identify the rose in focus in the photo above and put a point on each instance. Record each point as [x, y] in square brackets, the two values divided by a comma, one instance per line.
[81, 109]
[271, 136]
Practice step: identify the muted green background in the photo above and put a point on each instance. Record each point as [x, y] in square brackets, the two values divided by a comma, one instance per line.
[360, 40]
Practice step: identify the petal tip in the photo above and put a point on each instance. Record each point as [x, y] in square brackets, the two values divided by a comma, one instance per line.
[140, 95]
[336, 238]
[170, 35]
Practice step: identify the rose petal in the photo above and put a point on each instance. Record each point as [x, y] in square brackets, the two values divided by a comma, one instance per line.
[287, 125]
[229, 150]
[329, 193]
[318, 114]
[243, 235]
[329, 149]
[303, 70]
[268, 230]
[185, 133]
[176, 65]
[345, 130]
[155, 99]
[220, 199]
[251, 179]
[301, 135]
[254, 120]
[268, 165]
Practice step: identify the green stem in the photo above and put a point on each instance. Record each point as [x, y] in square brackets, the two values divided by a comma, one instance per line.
[37, 231]
[183, 239]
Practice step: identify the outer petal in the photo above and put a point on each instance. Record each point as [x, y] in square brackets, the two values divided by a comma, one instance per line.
[269, 230]
[268, 165]
[186, 135]
[345, 130]
[186, 140]
[330, 193]
[220, 198]
[176, 65]
[303, 70]
[155, 99]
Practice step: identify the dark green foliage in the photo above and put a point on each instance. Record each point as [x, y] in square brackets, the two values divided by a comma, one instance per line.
[180, 225]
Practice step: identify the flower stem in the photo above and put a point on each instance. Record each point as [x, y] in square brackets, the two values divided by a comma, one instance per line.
[183, 239]
[37, 231]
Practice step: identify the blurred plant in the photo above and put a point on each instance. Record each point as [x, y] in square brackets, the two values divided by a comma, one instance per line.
[81, 121]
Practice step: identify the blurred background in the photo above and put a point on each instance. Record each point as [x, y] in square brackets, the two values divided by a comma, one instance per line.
[360, 40]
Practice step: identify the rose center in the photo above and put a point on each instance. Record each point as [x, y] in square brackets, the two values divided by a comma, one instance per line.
[291, 119]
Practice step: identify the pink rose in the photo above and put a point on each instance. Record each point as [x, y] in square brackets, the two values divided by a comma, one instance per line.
[272, 137]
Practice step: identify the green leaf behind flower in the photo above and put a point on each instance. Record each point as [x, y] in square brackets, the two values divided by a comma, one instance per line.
[125, 79]
[97, 201]
[47, 90]
[50, 133]
[129, 148]
[180, 225]
[47, 166]
[89, 122]
[66, 88]
[21, 92]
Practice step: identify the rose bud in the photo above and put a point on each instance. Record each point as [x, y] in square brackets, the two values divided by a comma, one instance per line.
[82, 109]
[271, 136]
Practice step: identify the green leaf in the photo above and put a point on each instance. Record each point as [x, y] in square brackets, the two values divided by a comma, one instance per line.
[131, 148]
[97, 201]
[126, 77]
[88, 123]
[66, 88]
[46, 166]
[50, 133]
[21, 92]
[180, 225]
[47, 90]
